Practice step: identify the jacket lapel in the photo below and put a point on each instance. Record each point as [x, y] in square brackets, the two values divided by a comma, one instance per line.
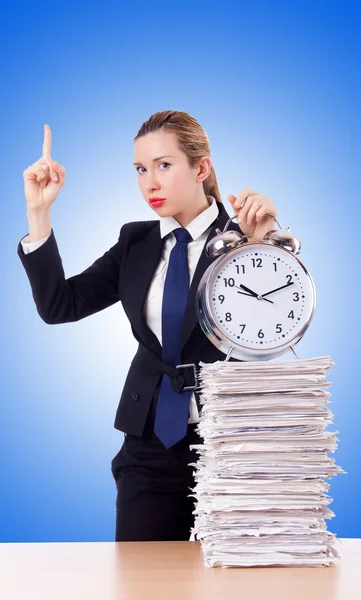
[190, 316]
[144, 257]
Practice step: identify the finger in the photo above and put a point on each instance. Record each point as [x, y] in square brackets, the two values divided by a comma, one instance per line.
[263, 228]
[242, 204]
[45, 167]
[252, 201]
[40, 174]
[261, 213]
[243, 196]
[29, 173]
[43, 175]
[59, 171]
[44, 179]
[232, 199]
[47, 141]
[251, 215]
[237, 202]
[36, 171]
[49, 162]
[44, 171]
[266, 209]
[245, 207]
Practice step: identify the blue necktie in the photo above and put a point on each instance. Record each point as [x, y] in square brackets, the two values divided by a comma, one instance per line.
[171, 419]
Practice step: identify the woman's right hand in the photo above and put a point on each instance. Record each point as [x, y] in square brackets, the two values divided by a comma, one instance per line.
[43, 179]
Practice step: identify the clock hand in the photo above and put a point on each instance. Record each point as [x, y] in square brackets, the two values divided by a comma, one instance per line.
[279, 288]
[251, 293]
[245, 293]
[247, 290]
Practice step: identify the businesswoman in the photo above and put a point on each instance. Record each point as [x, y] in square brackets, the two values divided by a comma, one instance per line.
[154, 270]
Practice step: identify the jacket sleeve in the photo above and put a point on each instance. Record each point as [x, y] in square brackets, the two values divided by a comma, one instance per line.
[31, 246]
[61, 300]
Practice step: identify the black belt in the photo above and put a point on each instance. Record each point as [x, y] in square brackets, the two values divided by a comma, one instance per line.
[183, 377]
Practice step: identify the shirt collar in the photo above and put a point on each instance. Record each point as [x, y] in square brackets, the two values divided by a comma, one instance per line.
[196, 227]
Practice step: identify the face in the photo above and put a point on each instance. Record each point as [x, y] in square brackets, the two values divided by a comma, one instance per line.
[163, 172]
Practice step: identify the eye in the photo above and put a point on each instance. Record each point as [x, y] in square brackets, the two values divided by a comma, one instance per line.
[162, 163]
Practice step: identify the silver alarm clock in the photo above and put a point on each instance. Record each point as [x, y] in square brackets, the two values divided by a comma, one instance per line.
[257, 299]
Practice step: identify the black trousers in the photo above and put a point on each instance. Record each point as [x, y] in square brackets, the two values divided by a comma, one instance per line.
[153, 482]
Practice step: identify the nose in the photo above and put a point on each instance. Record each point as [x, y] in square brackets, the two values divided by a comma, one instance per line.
[152, 183]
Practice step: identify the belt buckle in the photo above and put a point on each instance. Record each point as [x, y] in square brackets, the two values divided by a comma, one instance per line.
[190, 387]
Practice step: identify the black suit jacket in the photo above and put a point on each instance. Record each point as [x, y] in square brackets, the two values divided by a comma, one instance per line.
[123, 274]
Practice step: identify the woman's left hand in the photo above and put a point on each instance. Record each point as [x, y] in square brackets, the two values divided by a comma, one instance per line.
[250, 207]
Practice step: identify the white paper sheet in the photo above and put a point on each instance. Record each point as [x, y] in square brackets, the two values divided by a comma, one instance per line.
[260, 495]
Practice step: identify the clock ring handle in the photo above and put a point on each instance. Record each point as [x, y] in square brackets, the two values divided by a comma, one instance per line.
[235, 216]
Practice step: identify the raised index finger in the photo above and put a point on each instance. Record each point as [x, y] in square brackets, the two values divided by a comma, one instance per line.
[47, 141]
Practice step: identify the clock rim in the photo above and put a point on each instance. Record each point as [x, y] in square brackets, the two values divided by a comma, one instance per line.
[217, 337]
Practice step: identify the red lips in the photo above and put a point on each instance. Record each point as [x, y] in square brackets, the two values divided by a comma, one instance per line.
[156, 201]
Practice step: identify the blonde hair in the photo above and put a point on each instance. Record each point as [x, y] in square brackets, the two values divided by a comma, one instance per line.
[191, 139]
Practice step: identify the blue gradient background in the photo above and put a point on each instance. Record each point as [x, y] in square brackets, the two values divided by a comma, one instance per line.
[276, 86]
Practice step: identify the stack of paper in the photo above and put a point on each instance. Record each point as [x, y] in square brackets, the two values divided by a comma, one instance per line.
[259, 479]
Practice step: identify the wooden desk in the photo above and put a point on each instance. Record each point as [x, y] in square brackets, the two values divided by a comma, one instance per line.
[164, 570]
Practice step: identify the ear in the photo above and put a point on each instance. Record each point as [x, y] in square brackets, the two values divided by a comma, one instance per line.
[204, 168]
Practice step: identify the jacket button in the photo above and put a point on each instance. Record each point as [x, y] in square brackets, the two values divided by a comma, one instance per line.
[135, 396]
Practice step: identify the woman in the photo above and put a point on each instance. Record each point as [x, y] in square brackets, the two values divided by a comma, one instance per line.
[154, 269]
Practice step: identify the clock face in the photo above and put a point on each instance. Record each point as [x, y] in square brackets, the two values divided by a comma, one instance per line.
[275, 304]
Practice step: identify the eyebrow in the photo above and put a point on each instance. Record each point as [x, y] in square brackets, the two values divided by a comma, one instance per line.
[158, 158]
